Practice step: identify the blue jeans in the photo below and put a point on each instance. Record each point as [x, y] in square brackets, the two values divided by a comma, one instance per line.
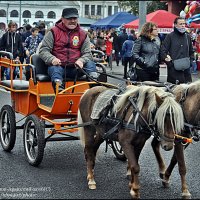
[58, 72]
[194, 67]
[7, 72]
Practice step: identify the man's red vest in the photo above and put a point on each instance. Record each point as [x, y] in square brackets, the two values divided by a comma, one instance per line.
[67, 43]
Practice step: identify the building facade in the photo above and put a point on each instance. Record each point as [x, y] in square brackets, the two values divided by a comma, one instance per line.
[30, 12]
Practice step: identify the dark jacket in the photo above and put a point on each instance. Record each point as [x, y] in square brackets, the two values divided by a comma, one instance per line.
[177, 45]
[146, 53]
[121, 39]
[12, 42]
[25, 35]
[115, 42]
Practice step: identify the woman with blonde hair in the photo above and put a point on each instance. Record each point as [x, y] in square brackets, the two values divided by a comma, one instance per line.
[146, 53]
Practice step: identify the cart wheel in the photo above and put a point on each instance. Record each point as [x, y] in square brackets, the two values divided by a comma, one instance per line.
[7, 128]
[117, 150]
[34, 140]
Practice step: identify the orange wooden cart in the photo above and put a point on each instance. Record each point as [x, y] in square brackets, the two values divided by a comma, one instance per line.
[40, 106]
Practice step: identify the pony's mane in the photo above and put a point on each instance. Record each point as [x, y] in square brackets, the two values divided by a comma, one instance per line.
[194, 87]
[148, 92]
[175, 112]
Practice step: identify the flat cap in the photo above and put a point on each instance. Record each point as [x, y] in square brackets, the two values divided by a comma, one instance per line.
[70, 12]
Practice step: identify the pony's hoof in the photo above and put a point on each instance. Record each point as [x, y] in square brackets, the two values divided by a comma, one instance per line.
[165, 183]
[134, 195]
[92, 185]
[128, 177]
[186, 195]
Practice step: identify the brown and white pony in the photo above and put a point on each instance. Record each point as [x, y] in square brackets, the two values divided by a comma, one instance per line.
[189, 97]
[155, 110]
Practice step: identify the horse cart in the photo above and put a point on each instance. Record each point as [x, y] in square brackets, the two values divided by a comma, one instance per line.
[41, 107]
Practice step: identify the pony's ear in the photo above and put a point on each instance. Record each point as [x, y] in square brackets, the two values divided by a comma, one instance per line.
[178, 96]
[158, 100]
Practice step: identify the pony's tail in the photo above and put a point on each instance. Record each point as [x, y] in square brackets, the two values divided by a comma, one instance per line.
[81, 129]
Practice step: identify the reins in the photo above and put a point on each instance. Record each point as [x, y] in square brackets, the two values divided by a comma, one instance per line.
[122, 124]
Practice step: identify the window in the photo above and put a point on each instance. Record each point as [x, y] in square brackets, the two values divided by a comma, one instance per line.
[86, 9]
[109, 10]
[99, 10]
[26, 14]
[39, 14]
[51, 15]
[14, 13]
[92, 9]
[2, 13]
[115, 9]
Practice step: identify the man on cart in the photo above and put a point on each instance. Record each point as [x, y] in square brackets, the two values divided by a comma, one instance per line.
[65, 46]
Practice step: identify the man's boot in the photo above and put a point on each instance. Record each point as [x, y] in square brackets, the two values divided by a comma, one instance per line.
[61, 85]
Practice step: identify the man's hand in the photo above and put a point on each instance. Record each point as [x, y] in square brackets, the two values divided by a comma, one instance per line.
[79, 63]
[56, 61]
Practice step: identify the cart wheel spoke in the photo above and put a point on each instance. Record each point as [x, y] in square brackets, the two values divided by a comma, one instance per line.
[7, 138]
[32, 152]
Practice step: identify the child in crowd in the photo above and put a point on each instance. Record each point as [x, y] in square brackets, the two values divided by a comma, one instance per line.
[31, 45]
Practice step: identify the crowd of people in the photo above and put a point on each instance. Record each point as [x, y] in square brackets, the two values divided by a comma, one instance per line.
[146, 50]
[67, 44]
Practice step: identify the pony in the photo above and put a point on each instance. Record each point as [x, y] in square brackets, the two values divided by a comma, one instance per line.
[188, 96]
[130, 117]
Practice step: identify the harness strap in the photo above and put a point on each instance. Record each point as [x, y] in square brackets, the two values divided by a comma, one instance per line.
[166, 138]
[111, 131]
[141, 115]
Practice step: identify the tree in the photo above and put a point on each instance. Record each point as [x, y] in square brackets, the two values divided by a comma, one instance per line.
[133, 6]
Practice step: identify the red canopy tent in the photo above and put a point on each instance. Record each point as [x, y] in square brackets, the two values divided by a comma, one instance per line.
[162, 18]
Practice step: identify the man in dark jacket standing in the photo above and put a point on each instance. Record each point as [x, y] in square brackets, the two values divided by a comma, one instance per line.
[177, 45]
[65, 45]
[121, 39]
[11, 42]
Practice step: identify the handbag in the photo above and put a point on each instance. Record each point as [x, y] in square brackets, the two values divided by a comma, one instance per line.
[182, 63]
[132, 73]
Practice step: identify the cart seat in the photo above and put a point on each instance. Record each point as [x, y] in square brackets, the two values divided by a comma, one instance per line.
[40, 70]
[17, 84]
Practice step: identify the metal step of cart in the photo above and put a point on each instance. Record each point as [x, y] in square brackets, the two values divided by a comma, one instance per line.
[47, 100]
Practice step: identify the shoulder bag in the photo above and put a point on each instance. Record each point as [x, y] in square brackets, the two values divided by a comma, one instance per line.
[182, 63]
